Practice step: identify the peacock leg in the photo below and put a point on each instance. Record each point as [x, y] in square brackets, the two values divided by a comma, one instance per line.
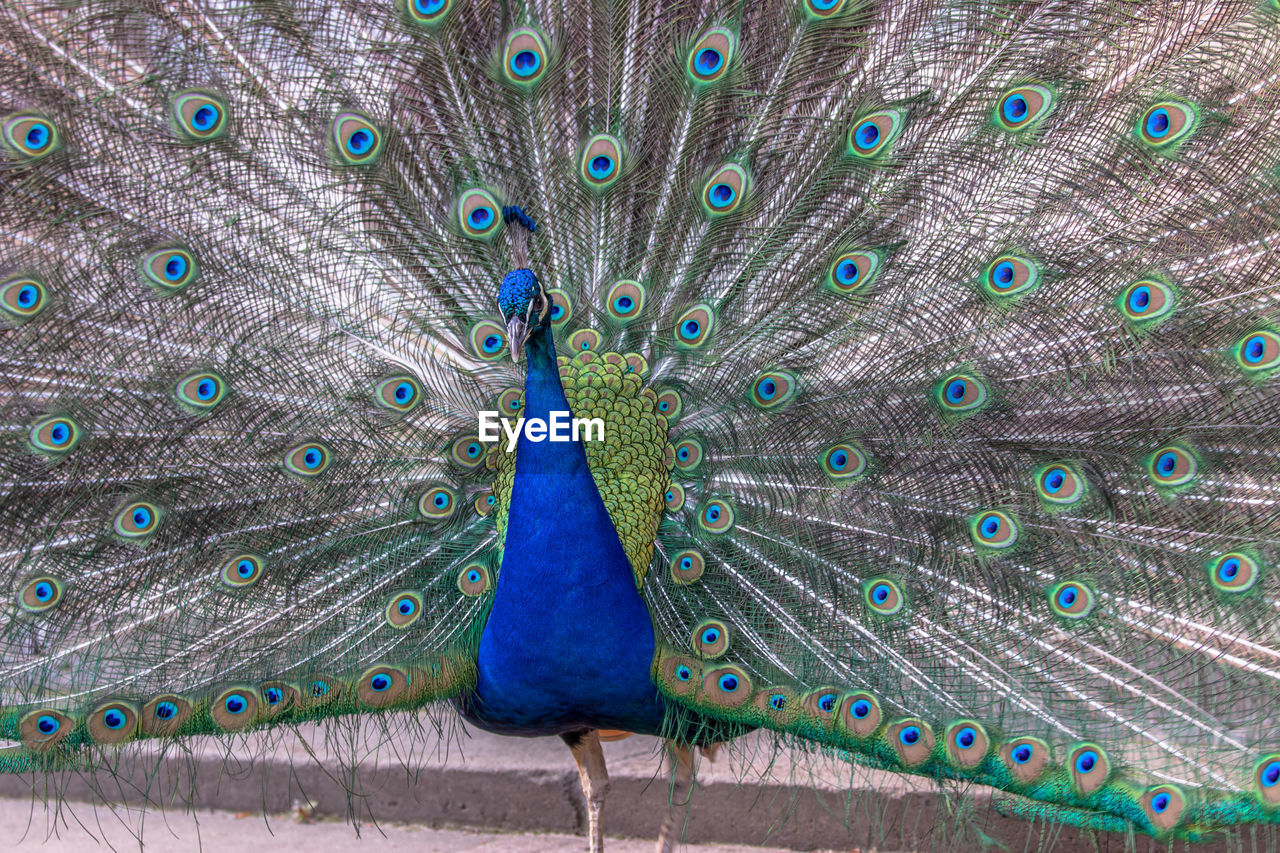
[681, 759]
[585, 746]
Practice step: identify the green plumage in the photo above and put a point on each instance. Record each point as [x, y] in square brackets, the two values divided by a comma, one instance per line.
[960, 319]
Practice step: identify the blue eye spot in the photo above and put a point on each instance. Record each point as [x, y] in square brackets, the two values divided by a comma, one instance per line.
[881, 593]
[1003, 272]
[1086, 761]
[623, 303]
[113, 719]
[473, 576]
[990, 527]
[1227, 571]
[690, 329]
[1139, 299]
[27, 295]
[244, 568]
[1054, 479]
[235, 703]
[710, 636]
[955, 391]
[1160, 802]
[728, 683]
[557, 311]
[778, 701]
[166, 711]
[319, 688]
[827, 702]
[473, 450]
[481, 217]
[312, 458]
[683, 673]
[1167, 462]
[205, 389]
[909, 735]
[273, 695]
[441, 500]
[360, 142]
[847, 272]
[1253, 349]
[1015, 108]
[861, 708]
[491, 344]
[1067, 597]
[175, 268]
[1022, 753]
[48, 725]
[37, 136]
[44, 591]
[525, 62]
[428, 7]
[713, 513]
[768, 388]
[380, 682]
[1271, 775]
[683, 453]
[59, 434]
[205, 117]
[1158, 123]
[721, 195]
[141, 517]
[839, 460]
[708, 61]
[404, 391]
[867, 135]
[407, 607]
[966, 737]
[600, 166]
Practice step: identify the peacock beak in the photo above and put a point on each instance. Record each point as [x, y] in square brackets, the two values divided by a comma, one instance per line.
[517, 334]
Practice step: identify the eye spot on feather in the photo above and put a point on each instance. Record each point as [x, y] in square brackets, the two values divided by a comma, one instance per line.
[716, 516]
[688, 455]
[467, 451]
[318, 690]
[356, 139]
[967, 743]
[170, 269]
[427, 13]
[669, 405]
[1011, 275]
[673, 500]
[278, 697]
[242, 571]
[912, 739]
[773, 390]
[601, 162]
[22, 298]
[54, 436]
[398, 393]
[525, 58]
[693, 328]
[585, 340]
[473, 580]
[1166, 123]
[437, 502]
[30, 136]
[44, 728]
[113, 723]
[485, 502]
[1072, 600]
[478, 214]
[199, 116]
[1258, 353]
[1025, 758]
[235, 708]
[1023, 107]
[201, 391]
[510, 402]
[860, 715]
[853, 272]
[994, 529]
[136, 521]
[1234, 573]
[488, 340]
[1147, 302]
[1172, 466]
[309, 459]
[883, 596]
[711, 638]
[821, 9]
[778, 705]
[711, 55]
[871, 136]
[1060, 484]
[1266, 781]
[382, 686]
[1089, 768]
[165, 715]
[561, 306]
[821, 704]
[680, 675]
[625, 300]
[687, 567]
[1163, 806]
[725, 190]
[40, 594]
[843, 462]
[726, 686]
[403, 610]
[961, 393]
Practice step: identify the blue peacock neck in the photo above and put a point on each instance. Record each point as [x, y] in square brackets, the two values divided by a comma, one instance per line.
[569, 642]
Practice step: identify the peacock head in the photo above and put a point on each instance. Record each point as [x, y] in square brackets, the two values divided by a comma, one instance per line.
[525, 306]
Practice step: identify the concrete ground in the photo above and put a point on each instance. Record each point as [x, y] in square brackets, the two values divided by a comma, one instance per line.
[418, 787]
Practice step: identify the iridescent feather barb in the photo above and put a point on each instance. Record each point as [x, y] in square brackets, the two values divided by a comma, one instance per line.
[937, 346]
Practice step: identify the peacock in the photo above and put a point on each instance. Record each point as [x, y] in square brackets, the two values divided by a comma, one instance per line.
[898, 378]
